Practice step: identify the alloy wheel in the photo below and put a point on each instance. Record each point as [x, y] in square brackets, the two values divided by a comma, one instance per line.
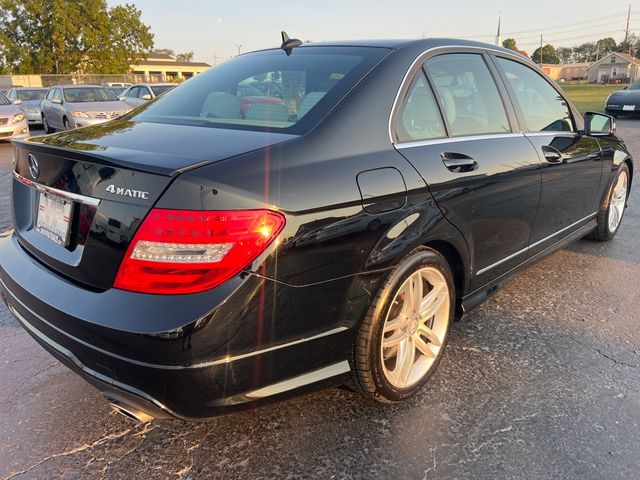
[618, 201]
[415, 328]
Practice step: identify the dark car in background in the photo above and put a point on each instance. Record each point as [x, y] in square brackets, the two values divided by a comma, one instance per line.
[29, 100]
[192, 258]
[624, 102]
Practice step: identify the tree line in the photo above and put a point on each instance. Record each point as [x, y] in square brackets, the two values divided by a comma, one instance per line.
[587, 52]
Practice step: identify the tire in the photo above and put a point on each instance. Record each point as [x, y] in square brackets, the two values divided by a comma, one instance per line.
[67, 125]
[611, 212]
[392, 330]
[45, 125]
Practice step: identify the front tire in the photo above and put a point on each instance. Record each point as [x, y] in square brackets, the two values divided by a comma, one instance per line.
[45, 125]
[611, 213]
[405, 332]
[67, 125]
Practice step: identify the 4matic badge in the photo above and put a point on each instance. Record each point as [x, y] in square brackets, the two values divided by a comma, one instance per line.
[127, 192]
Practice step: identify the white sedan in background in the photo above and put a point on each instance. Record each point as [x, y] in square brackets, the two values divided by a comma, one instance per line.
[141, 93]
[13, 123]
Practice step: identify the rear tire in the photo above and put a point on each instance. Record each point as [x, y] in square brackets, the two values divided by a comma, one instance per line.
[610, 215]
[45, 125]
[405, 332]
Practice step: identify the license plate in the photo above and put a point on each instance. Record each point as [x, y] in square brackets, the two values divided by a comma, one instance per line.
[54, 218]
[628, 108]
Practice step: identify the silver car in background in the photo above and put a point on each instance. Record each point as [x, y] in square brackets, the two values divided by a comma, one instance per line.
[13, 124]
[141, 93]
[72, 106]
[29, 101]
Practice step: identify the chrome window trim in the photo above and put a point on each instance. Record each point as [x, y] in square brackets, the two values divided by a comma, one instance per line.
[533, 245]
[419, 58]
[554, 133]
[462, 138]
[54, 191]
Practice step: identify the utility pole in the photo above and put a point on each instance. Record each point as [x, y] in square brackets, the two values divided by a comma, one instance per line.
[540, 49]
[626, 30]
[238, 46]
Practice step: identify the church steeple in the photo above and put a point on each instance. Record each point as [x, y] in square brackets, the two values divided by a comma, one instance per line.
[499, 33]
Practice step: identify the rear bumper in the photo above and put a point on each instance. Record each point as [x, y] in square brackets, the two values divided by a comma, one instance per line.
[197, 365]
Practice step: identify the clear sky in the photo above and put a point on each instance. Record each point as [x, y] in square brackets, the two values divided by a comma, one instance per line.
[213, 29]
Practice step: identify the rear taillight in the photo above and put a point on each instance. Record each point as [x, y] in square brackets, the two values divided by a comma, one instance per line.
[186, 251]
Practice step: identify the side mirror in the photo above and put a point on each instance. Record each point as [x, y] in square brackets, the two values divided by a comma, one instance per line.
[599, 124]
[121, 99]
[57, 101]
[146, 96]
[17, 101]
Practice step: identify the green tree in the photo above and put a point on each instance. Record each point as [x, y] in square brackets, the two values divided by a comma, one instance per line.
[565, 54]
[632, 45]
[166, 51]
[549, 55]
[510, 43]
[585, 52]
[185, 57]
[69, 36]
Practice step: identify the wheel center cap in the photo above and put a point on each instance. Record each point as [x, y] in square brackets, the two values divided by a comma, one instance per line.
[413, 324]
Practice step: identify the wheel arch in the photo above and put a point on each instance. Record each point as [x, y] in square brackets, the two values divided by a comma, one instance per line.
[457, 264]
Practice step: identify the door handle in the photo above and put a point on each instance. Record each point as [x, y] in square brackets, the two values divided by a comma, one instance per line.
[551, 155]
[458, 162]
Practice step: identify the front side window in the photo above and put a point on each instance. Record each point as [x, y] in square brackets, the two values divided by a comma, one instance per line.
[4, 100]
[132, 92]
[468, 93]
[419, 118]
[267, 90]
[56, 94]
[543, 108]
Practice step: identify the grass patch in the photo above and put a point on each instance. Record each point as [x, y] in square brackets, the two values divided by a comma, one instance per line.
[590, 98]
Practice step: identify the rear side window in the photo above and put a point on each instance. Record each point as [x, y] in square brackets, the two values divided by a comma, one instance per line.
[267, 90]
[543, 108]
[468, 94]
[419, 118]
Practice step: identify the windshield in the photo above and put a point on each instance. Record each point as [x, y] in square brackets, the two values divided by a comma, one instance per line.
[26, 95]
[267, 90]
[160, 89]
[91, 94]
[635, 86]
[4, 100]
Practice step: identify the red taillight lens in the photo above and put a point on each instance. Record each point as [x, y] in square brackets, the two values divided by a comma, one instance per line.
[187, 251]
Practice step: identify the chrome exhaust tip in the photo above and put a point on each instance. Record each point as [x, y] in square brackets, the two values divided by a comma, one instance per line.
[132, 412]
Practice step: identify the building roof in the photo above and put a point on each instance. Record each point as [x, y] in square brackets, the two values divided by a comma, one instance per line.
[624, 56]
[170, 63]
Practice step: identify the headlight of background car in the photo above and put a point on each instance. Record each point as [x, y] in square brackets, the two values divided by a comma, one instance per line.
[79, 114]
[18, 117]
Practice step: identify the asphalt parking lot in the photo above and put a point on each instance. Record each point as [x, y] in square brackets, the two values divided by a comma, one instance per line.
[541, 381]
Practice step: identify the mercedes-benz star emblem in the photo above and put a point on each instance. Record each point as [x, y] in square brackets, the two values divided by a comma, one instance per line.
[34, 168]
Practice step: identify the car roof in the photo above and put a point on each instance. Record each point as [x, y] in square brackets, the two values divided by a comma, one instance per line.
[77, 86]
[406, 43]
[29, 88]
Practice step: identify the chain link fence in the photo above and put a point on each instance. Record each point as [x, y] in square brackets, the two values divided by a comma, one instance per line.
[78, 79]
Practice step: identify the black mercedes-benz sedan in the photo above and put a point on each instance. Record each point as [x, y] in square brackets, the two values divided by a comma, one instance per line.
[212, 251]
[624, 102]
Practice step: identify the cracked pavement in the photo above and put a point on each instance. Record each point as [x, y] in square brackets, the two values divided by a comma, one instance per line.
[541, 381]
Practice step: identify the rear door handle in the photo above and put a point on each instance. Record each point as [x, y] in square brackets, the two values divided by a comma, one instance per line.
[458, 162]
[552, 155]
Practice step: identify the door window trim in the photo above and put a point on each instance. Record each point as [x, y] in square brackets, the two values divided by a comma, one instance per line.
[425, 55]
[576, 116]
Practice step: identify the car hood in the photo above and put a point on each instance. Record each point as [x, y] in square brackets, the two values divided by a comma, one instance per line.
[625, 95]
[30, 104]
[155, 147]
[115, 106]
[8, 110]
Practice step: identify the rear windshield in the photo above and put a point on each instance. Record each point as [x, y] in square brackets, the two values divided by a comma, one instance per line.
[26, 95]
[266, 90]
[80, 95]
[635, 86]
[160, 89]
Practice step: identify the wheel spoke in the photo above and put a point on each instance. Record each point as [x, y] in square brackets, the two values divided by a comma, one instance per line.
[423, 347]
[405, 359]
[431, 308]
[394, 324]
[394, 339]
[415, 292]
[430, 334]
